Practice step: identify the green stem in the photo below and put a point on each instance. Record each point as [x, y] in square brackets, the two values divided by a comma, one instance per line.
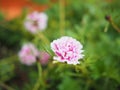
[111, 21]
[62, 16]
[106, 27]
[40, 81]
[43, 38]
[115, 26]
[6, 86]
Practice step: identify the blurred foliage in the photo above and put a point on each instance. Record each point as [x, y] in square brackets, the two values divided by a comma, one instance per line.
[41, 1]
[85, 21]
[7, 70]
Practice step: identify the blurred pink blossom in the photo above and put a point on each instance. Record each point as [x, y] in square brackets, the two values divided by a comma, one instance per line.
[35, 22]
[44, 57]
[28, 54]
[67, 50]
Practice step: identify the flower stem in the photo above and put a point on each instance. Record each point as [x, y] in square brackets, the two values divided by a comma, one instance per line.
[115, 26]
[62, 16]
[110, 20]
[43, 38]
[39, 82]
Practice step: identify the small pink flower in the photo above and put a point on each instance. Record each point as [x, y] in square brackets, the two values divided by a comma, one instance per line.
[36, 22]
[28, 54]
[67, 50]
[44, 57]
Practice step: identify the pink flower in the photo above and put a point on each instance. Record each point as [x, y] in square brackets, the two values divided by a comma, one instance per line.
[28, 54]
[36, 22]
[44, 57]
[67, 50]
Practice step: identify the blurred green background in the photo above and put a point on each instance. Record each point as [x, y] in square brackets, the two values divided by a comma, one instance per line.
[95, 23]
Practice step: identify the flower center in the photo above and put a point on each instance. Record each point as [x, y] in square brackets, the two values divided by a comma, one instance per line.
[35, 23]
